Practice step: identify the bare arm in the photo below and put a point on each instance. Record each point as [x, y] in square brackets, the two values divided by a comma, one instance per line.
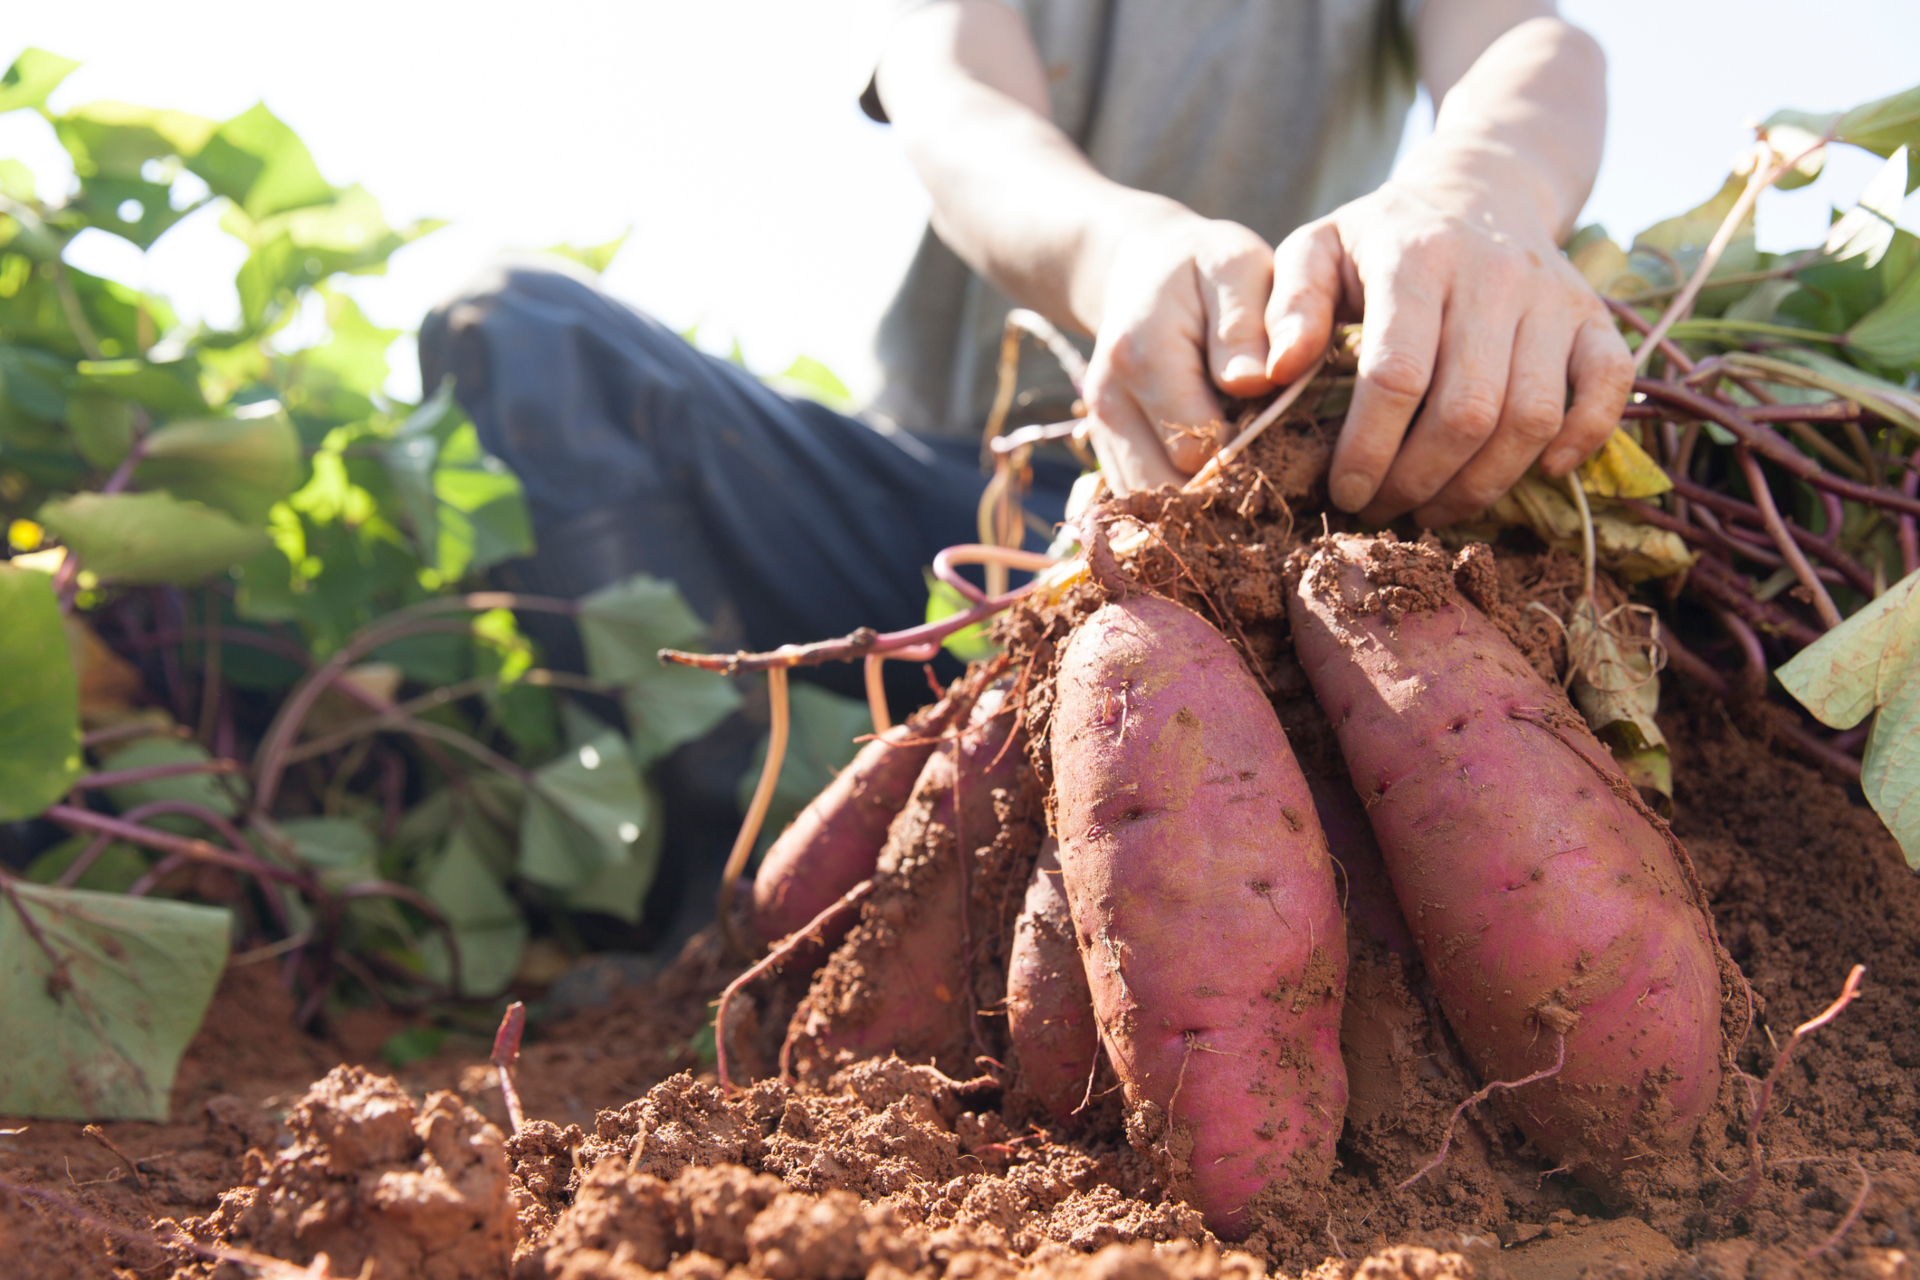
[1470, 309]
[1174, 300]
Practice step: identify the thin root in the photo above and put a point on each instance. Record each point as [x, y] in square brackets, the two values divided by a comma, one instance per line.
[1446, 1142]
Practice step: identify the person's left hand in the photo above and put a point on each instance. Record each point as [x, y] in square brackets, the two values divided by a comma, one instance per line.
[1473, 319]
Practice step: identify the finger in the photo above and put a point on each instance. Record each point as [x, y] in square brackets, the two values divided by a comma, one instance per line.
[1235, 288]
[1530, 418]
[1151, 385]
[1397, 348]
[1129, 450]
[1601, 369]
[1463, 407]
[1307, 288]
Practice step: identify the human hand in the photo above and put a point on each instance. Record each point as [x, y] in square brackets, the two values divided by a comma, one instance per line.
[1473, 319]
[1182, 313]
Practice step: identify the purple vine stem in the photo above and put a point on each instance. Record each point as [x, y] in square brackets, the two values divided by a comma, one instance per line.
[155, 772]
[270, 760]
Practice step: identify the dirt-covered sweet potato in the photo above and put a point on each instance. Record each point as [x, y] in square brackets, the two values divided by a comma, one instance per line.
[903, 981]
[1049, 1008]
[1203, 898]
[1543, 897]
[835, 842]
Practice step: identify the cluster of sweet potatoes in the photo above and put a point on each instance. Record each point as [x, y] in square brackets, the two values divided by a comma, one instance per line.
[1186, 917]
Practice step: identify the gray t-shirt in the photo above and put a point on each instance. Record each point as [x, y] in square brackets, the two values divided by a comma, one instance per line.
[1267, 112]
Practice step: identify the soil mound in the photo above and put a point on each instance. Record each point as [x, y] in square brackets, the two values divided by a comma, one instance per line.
[420, 1190]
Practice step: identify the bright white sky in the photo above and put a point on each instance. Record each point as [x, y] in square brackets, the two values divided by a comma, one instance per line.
[764, 206]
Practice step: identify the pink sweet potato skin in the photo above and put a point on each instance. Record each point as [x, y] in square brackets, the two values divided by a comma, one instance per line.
[835, 842]
[1049, 1008]
[1203, 897]
[900, 982]
[1542, 899]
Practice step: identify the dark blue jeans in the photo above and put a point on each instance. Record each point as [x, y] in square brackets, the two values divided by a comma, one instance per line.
[781, 520]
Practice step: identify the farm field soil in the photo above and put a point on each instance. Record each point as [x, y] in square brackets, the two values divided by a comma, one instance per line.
[895, 1171]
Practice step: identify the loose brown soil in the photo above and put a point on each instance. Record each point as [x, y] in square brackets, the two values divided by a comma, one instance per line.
[635, 1163]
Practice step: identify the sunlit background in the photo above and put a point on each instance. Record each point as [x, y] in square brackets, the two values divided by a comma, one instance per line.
[764, 207]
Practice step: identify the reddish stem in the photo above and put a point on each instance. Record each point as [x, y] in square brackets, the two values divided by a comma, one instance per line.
[1827, 411]
[1909, 533]
[199, 850]
[1772, 446]
[1763, 499]
[1728, 505]
[1728, 589]
[506, 1052]
[155, 772]
[1675, 356]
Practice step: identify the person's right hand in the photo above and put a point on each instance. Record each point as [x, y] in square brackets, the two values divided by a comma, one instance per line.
[1182, 313]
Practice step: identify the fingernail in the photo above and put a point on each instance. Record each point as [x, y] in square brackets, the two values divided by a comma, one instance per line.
[1349, 493]
[1559, 462]
[1242, 366]
[1286, 334]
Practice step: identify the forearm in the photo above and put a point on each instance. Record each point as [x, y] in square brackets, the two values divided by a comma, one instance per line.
[1525, 122]
[1011, 193]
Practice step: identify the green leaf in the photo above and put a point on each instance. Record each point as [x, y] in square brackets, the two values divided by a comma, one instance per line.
[39, 698]
[31, 78]
[467, 510]
[1685, 238]
[241, 466]
[220, 794]
[626, 624]
[355, 356]
[170, 388]
[410, 1045]
[970, 643]
[1867, 229]
[623, 627]
[586, 811]
[820, 743]
[339, 847]
[102, 427]
[481, 509]
[34, 380]
[116, 139]
[595, 258]
[1857, 666]
[257, 162]
[1880, 126]
[100, 1036]
[342, 853]
[16, 181]
[809, 378]
[486, 921]
[102, 202]
[149, 537]
[674, 705]
[1890, 768]
[1890, 333]
[116, 870]
[619, 889]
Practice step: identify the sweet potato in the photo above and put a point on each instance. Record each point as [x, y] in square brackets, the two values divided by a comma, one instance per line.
[1203, 899]
[1545, 899]
[1049, 1008]
[902, 981]
[835, 842]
